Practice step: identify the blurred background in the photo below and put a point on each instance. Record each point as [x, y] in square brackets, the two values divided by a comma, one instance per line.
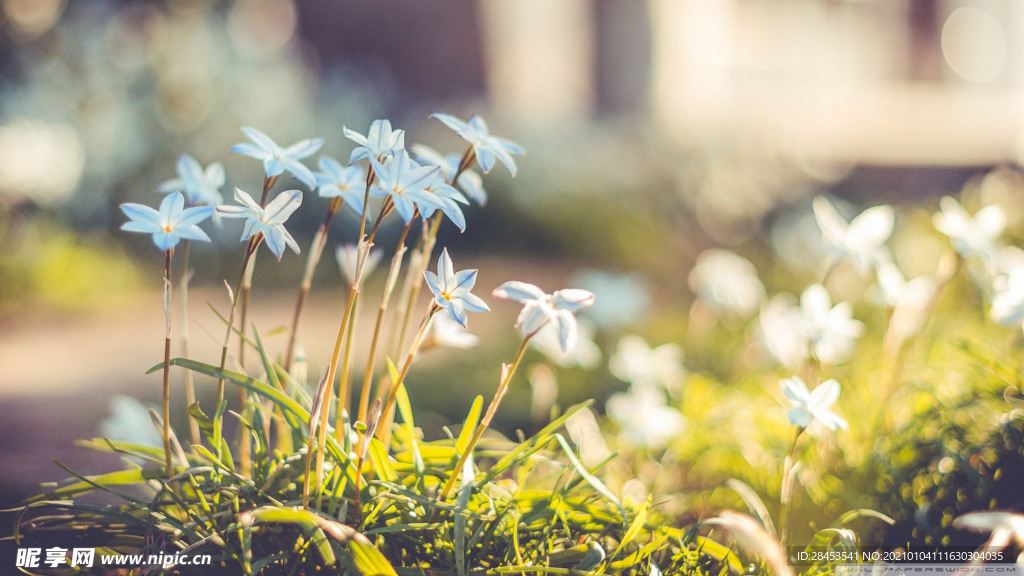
[655, 130]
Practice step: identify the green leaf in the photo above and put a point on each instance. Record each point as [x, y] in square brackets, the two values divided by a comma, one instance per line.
[634, 528]
[469, 426]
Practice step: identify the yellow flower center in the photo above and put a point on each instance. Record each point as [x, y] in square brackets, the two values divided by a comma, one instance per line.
[168, 228]
[446, 296]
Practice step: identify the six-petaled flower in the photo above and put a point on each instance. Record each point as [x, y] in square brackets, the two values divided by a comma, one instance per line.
[451, 289]
[487, 148]
[379, 143]
[199, 185]
[268, 221]
[345, 182]
[276, 160]
[540, 308]
[169, 225]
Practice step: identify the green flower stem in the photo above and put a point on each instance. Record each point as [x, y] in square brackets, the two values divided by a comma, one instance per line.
[787, 489]
[508, 370]
[190, 389]
[316, 251]
[167, 364]
[389, 286]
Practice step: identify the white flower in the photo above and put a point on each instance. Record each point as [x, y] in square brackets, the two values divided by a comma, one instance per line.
[268, 221]
[862, 240]
[585, 353]
[380, 141]
[348, 257]
[129, 421]
[783, 332]
[908, 299]
[450, 334]
[1005, 527]
[540, 308]
[451, 289]
[644, 418]
[637, 363]
[830, 331]
[970, 236]
[1008, 300]
[726, 283]
[810, 407]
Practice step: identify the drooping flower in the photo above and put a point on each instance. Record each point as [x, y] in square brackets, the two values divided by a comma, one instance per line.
[782, 331]
[908, 299]
[862, 240]
[726, 283]
[379, 143]
[540, 308]
[584, 354]
[469, 181]
[976, 235]
[405, 182]
[199, 185]
[1006, 528]
[450, 334]
[268, 221]
[452, 289]
[830, 331]
[644, 417]
[171, 224]
[636, 362]
[348, 258]
[345, 182]
[1008, 300]
[486, 147]
[276, 160]
[812, 406]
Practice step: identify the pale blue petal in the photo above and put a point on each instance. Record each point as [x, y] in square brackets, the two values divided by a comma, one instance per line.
[215, 175]
[274, 238]
[445, 270]
[532, 317]
[289, 240]
[474, 303]
[464, 280]
[165, 240]
[261, 140]
[281, 207]
[192, 233]
[504, 158]
[508, 145]
[273, 166]
[519, 292]
[565, 324]
[305, 175]
[405, 208]
[242, 197]
[141, 215]
[478, 126]
[572, 299]
[457, 312]
[250, 150]
[193, 216]
[189, 168]
[452, 122]
[355, 137]
[303, 148]
[433, 283]
[799, 417]
[171, 206]
[484, 158]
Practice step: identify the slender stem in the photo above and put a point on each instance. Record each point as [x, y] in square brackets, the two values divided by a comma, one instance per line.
[249, 251]
[425, 251]
[246, 289]
[787, 489]
[508, 371]
[344, 379]
[190, 389]
[396, 265]
[316, 251]
[167, 364]
[413, 350]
